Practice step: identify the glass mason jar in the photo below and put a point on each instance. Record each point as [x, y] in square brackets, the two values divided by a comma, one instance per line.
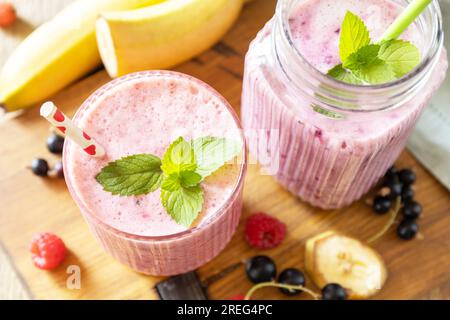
[326, 141]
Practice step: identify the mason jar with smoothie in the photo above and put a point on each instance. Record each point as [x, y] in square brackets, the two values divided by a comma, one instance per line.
[325, 134]
[156, 164]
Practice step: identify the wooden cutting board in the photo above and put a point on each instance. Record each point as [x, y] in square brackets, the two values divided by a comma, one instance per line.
[417, 269]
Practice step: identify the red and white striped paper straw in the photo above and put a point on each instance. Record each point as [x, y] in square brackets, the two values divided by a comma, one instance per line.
[65, 125]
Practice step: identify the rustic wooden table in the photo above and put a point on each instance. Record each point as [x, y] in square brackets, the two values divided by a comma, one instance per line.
[418, 269]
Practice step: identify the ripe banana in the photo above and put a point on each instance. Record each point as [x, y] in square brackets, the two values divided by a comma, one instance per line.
[334, 258]
[57, 53]
[162, 35]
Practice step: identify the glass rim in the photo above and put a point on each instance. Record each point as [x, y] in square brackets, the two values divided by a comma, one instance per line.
[175, 236]
[432, 55]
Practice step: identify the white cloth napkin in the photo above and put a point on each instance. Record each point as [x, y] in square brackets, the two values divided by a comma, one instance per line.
[430, 141]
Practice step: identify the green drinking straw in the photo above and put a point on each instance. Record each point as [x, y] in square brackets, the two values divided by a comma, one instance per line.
[412, 11]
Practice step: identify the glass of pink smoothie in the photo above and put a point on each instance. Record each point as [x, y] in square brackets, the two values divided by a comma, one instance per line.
[143, 113]
[327, 141]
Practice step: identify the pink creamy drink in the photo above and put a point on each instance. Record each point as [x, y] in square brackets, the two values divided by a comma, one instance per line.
[144, 113]
[326, 141]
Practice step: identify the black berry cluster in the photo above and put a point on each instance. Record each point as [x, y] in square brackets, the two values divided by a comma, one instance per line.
[40, 167]
[400, 184]
[261, 269]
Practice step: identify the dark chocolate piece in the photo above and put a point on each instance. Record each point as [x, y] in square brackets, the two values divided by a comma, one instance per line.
[181, 287]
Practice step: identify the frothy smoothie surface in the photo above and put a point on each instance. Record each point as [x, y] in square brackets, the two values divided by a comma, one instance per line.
[144, 115]
[316, 24]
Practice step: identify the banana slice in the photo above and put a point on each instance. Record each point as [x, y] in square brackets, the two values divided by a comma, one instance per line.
[331, 257]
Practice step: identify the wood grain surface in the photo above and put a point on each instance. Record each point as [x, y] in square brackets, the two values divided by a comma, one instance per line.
[418, 269]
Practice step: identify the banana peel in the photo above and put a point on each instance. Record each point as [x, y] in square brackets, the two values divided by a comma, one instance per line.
[163, 35]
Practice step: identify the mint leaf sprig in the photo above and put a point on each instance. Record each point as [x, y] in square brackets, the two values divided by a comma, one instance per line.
[179, 174]
[363, 62]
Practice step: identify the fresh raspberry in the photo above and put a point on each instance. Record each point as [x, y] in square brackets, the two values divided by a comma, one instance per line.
[47, 250]
[7, 14]
[263, 231]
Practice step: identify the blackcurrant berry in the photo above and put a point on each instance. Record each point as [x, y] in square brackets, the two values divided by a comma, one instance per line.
[55, 144]
[261, 269]
[381, 204]
[333, 291]
[407, 176]
[407, 193]
[412, 210]
[407, 229]
[390, 176]
[291, 276]
[39, 167]
[395, 190]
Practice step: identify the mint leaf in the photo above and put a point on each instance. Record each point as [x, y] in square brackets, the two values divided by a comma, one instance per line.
[376, 72]
[365, 63]
[184, 179]
[400, 55]
[211, 153]
[183, 204]
[364, 66]
[189, 178]
[133, 175]
[362, 58]
[181, 194]
[354, 35]
[339, 73]
[171, 182]
[178, 157]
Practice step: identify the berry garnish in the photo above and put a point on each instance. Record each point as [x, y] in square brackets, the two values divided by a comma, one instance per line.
[412, 210]
[260, 269]
[395, 190]
[291, 276]
[58, 169]
[263, 231]
[333, 291]
[392, 216]
[7, 14]
[407, 176]
[407, 229]
[55, 144]
[39, 167]
[407, 193]
[390, 176]
[47, 251]
[382, 204]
